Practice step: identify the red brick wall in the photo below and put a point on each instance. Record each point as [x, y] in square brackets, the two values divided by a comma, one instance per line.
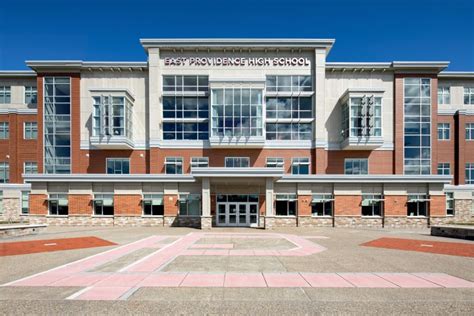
[380, 161]
[38, 204]
[321, 157]
[437, 205]
[347, 205]
[395, 205]
[464, 148]
[129, 204]
[304, 205]
[80, 204]
[446, 148]
[94, 161]
[171, 205]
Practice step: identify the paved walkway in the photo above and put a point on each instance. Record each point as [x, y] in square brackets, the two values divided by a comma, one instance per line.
[147, 271]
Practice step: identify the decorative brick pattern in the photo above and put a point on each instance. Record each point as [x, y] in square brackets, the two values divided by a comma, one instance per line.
[304, 205]
[128, 205]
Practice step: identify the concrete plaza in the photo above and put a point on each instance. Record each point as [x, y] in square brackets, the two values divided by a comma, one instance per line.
[231, 271]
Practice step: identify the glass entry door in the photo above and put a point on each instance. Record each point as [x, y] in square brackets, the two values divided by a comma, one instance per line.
[237, 214]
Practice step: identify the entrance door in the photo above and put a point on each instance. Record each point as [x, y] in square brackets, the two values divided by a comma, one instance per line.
[237, 214]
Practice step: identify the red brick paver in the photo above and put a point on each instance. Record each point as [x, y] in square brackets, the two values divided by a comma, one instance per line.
[439, 247]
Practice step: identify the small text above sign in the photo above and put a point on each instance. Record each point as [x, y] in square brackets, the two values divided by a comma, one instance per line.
[236, 61]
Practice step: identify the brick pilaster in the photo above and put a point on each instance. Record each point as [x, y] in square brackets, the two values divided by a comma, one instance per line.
[128, 205]
[38, 204]
[80, 204]
[347, 205]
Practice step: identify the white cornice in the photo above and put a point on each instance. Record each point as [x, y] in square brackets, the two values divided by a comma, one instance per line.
[18, 111]
[17, 73]
[78, 65]
[222, 172]
[457, 74]
[15, 186]
[100, 177]
[338, 178]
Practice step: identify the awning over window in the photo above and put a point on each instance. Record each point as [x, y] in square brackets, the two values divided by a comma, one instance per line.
[368, 202]
[154, 201]
[62, 202]
[321, 200]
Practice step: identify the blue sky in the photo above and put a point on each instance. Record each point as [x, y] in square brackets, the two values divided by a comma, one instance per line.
[110, 29]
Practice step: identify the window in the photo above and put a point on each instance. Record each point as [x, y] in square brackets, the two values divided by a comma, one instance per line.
[468, 96]
[444, 95]
[112, 116]
[30, 130]
[321, 205]
[199, 162]
[4, 172]
[30, 167]
[5, 94]
[25, 208]
[417, 122]
[372, 204]
[289, 83]
[444, 168]
[362, 116]
[190, 205]
[174, 165]
[58, 204]
[289, 107]
[443, 131]
[57, 125]
[104, 204]
[450, 203]
[153, 205]
[4, 130]
[356, 166]
[236, 112]
[237, 162]
[289, 131]
[300, 166]
[183, 84]
[470, 131]
[469, 173]
[285, 204]
[30, 95]
[185, 130]
[275, 163]
[417, 205]
[118, 165]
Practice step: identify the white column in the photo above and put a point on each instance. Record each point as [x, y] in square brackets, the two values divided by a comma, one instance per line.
[154, 94]
[206, 197]
[269, 197]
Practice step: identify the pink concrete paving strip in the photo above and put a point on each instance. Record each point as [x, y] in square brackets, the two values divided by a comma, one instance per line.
[121, 280]
[216, 252]
[80, 280]
[212, 246]
[315, 237]
[366, 280]
[325, 280]
[407, 280]
[445, 280]
[244, 280]
[285, 280]
[163, 280]
[103, 293]
[203, 280]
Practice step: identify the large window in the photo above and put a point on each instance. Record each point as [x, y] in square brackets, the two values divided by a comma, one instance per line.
[444, 168]
[30, 95]
[417, 119]
[190, 205]
[118, 165]
[183, 84]
[5, 94]
[417, 205]
[30, 130]
[25, 208]
[469, 131]
[444, 95]
[237, 162]
[289, 107]
[300, 166]
[185, 130]
[372, 204]
[4, 172]
[174, 165]
[469, 173]
[4, 130]
[57, 124]
[58, 204]
[362, 116]
[450, 203]
[275, 162]
[285, 204]
[322, 205]
[443, 131]
[199, 162]
[289, 83]
[356, 166]
[289, 131]
[237, 112]
[468, 96]
[104, 204]
[153, 205]
[112, 116]
[30, 167]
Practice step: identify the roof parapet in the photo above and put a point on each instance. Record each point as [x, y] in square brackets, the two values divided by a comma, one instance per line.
[79, 65]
